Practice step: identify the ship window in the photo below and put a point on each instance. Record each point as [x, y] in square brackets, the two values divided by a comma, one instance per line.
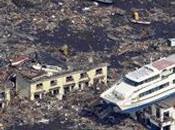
[154, 90]
[151, 79]
[131, 82]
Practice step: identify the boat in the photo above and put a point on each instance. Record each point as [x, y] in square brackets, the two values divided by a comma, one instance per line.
[149, 83]
[44, 121]
[140, 22]
[106, 1]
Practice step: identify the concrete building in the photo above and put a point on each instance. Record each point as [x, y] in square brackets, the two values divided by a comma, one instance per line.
[54, 81]
[171, 42]
[160, 116]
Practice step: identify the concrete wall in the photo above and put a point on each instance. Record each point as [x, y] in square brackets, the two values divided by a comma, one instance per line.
[22, 86]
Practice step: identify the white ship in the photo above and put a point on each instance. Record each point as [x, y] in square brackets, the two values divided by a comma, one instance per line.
[150, 83]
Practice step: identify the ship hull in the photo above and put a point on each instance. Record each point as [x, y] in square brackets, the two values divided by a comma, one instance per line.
[136, 107]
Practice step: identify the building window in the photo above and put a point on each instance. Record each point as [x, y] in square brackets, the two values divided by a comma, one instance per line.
[166, 127]
[99, 71]
[66, 90]
[165, 115]
[69, 78]
[53, 82]
[1, 105]
[54, 92]
[151, 79]
[2, 95]
[157, 112]
[83, 75]
[39, 86]
[174, 81]
[38, 95]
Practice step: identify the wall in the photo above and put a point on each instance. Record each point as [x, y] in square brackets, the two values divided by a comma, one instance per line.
[61, 82]
[22, 86]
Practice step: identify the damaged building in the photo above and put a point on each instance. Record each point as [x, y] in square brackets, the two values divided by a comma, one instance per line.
[40, 79]
[160, 115]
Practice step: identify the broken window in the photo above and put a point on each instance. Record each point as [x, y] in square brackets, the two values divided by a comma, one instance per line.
[54, 92]
[66, 90]
[36, 96]
[53, 82]
[39, 86]
[157, 112]
[2, 95]
[72, 87]
[83, 84]
[69, 78]
[165, 115]
[99, 71]
[39, 95]
[83, 75]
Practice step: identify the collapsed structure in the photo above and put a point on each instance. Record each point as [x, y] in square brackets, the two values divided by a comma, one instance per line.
[5, 86]
[159, 116]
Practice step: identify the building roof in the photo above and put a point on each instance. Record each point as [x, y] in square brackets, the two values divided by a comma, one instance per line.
[18, 59]
[171, 58]
[33, 75]
[172, 40]
[141, 74]
[152, 69]
[162, 64]
[45, 58]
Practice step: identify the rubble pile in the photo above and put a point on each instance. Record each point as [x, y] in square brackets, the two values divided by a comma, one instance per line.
[63, 113]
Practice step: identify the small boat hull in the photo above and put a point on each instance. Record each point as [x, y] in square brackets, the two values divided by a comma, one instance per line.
[140, 22]
[106, 1]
